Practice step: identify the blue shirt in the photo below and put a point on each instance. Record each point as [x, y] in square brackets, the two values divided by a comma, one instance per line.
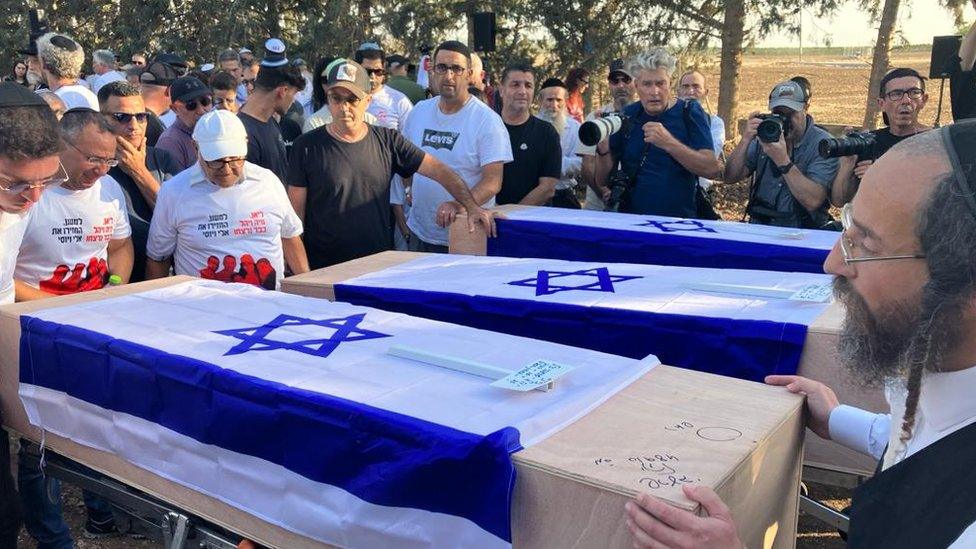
[663, 186]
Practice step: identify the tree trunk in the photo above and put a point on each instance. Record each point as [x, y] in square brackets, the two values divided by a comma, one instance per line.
[365, 9]
[733, 31]
[879, 64]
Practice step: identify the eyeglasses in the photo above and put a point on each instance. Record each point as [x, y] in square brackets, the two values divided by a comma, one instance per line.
[897, 95]
[376, 72]
[126, 117]
[350, 100]
[248, 82]
[110, 162]
[191, 105]
[441, 68]
[620, 80]
[8, 185]
[218, 164]
[847, 245]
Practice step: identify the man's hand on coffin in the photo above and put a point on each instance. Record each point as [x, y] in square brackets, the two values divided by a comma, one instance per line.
[657, 525]
[483, 217]
[447, 212]
[821, 400]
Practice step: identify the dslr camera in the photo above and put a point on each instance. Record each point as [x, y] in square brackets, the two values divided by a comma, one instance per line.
[772, 127]
[594, 131]
[861, 144]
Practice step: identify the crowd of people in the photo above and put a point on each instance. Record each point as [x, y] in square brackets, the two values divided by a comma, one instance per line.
[254, 167]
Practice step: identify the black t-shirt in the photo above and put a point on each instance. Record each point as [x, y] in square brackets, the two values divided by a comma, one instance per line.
[536, 153]
[162, 166]
[962, 90]
[291, 124]
[884, 140]
[347, 208]
[265, 146]
[154, 128]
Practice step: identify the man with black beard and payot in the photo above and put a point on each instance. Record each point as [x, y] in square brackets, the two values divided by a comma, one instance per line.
[905, 269]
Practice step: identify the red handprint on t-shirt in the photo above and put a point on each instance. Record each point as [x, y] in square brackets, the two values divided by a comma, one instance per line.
[65, 280]
[259, 273]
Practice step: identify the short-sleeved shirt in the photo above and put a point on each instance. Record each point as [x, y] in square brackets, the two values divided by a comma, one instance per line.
[773, 192]
[65, 246]
[347, 206]
[408, 87]
[76, 95]
[154, 128]
[884, 140]
[177, 140]
[466, 141]
[265, 145]
[663, 186]
[390, 107]
[162, 167]
[99, 81]
[536, 153]
[12, 228]
[229, 234]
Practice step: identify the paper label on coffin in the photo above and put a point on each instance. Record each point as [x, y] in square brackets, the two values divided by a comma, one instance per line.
[239, 338]
[539, 373]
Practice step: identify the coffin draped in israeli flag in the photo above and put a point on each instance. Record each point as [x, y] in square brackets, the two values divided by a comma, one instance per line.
[724, 321]
[582, 235]
[291, 409]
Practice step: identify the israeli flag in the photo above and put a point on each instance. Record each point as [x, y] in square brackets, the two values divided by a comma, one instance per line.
[584, 235]
[290, 408]
[744, 324]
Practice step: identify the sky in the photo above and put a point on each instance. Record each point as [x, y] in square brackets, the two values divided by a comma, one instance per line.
[919, 21]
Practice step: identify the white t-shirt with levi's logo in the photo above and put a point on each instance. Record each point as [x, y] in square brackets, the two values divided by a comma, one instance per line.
[466, 141]
[65, 246]
[230, 234]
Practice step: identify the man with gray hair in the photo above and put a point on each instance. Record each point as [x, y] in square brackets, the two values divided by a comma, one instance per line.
[104, 65]
[61, 61]
[665, 148]
[905, 270]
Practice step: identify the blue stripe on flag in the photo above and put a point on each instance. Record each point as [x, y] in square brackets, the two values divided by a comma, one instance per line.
[379, 456]
[520, 238]
[746, 349]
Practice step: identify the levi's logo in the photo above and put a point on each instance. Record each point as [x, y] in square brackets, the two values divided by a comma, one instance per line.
[440, 140]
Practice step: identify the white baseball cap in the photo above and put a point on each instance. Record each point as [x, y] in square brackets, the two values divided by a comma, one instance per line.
[220, 134]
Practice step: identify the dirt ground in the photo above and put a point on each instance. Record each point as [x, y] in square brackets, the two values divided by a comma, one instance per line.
[839, 92]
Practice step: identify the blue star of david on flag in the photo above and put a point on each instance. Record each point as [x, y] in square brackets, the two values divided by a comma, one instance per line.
[686, 225]
[256, 338]
[543, 285]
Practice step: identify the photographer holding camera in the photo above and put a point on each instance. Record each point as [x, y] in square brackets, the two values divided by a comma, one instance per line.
[663, 148]
[791, 182]
[902, 97]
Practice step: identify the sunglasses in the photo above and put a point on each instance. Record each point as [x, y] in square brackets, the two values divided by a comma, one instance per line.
[191, 105]
[247, 81]
[376, 72]
[221, 162]
[620, 80]
[126, 117]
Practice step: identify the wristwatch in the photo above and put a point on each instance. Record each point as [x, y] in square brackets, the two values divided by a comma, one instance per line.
[785, 169]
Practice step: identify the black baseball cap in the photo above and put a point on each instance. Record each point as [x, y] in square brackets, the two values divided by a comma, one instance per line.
[159, 74]
[187, 88]
[618, 66]
[175, 61]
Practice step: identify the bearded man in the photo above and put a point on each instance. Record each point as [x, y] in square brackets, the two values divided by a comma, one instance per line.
[552, 109]
[906, 272]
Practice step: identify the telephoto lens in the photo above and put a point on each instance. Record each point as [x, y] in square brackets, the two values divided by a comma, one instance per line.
[594, 131]
[855, 144]
[771, 128]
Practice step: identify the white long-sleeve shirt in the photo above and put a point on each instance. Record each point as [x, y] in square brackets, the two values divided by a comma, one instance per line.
[945, 405]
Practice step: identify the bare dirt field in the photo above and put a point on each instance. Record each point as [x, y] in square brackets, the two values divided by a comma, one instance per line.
[839, 85]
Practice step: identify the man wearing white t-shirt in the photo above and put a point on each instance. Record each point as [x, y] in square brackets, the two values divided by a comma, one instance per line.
[103, 63]
[224, 218]
[29, 163]
[463, 133]
[61, 60]
[78, 238]
[389, 106]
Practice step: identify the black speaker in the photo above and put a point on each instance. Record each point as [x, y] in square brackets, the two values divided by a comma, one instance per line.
[484, 31]
[944, 50]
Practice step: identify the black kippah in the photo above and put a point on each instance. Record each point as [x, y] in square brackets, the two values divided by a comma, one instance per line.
[960, 145]
[552, 83]
[13, 94]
